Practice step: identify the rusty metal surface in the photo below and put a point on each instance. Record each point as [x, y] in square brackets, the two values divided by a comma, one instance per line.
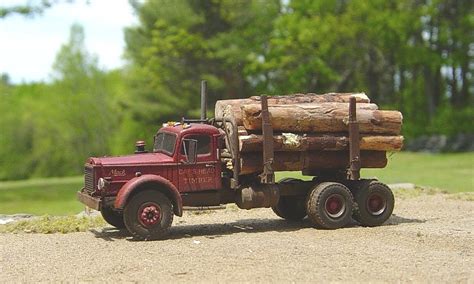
[155, 181]
[354, 142]
[89, 179]
[268, 175]
[232, 138]
[258, 196]
[88, 200]
[203, 100]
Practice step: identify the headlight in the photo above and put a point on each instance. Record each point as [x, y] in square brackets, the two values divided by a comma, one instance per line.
[101, 183]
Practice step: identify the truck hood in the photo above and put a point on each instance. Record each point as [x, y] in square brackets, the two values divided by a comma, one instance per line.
[137, 159]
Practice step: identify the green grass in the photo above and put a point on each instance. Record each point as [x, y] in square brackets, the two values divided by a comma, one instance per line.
[57, 196]
[450, 172]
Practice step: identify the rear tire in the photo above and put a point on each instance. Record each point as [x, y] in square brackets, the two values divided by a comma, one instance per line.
[291, 208]
[329, 205]
[112, 217]
[148, 215]
[375, 203]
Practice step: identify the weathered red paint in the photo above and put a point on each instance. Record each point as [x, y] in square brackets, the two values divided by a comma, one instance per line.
[125, 174]
[136, 159]
[164, 185]
[149, 214]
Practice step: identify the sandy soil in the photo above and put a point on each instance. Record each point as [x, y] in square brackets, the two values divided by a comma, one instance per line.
[428, 239]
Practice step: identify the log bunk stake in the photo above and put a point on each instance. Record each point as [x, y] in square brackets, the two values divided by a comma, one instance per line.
[354, 142]
[268, 175]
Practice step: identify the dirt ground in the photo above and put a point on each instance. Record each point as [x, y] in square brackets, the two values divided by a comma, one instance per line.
[428, 239]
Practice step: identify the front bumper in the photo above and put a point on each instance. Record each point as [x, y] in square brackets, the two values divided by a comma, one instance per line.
[89, 201]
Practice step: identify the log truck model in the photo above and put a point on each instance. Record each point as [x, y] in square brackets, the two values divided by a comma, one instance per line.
[197, 162]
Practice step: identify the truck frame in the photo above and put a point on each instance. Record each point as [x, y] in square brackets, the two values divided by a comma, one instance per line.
[196, 163]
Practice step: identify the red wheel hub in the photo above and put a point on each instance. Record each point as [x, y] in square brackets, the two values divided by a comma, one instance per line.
[335, 206]
[376, 204]
[149, 214]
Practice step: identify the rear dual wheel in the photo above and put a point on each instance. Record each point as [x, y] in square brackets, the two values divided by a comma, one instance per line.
[375, 203]
[291, 208]
[329, 205]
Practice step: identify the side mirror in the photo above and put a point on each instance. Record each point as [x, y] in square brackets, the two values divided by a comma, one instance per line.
[190, 150]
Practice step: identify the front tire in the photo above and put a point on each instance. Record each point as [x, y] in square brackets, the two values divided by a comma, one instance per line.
[148, 215]
[329, 205]
[112, 217]
[375, 204]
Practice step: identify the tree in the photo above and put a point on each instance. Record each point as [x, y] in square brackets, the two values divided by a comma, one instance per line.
[78, 111]
[178, 43]
[29, 9]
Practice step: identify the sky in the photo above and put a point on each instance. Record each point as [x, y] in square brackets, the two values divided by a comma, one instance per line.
[28, 45]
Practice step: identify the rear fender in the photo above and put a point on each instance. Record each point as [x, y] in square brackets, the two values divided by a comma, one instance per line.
[136, 184]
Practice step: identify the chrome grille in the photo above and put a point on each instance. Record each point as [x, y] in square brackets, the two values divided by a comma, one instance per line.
[89, 185]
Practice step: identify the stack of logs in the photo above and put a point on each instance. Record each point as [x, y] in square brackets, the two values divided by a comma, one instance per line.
[311, 131]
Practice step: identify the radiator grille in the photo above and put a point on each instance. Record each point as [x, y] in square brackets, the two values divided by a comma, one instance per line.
[89, 184]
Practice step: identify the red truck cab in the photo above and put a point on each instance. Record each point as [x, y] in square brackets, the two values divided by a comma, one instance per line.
[185, 159]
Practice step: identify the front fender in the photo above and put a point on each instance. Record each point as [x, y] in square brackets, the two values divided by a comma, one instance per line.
[136, 184]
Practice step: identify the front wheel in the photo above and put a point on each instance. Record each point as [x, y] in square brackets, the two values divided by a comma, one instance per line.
[329, 205]
[148, 215]
[375, 204]
[112, 217]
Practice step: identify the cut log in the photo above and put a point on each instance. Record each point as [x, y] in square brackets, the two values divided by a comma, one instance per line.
[296, 142]
[225, 107]
[315, 160]
[314, 98]
[242, 131]
[323, 118]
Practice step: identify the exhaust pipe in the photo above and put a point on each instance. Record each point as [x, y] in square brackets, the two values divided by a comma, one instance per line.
[203, 100]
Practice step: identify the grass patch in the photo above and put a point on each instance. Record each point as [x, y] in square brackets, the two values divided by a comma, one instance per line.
[451, 172]
[466, 196]
[39, 196]
[54, 224]
[418, 191]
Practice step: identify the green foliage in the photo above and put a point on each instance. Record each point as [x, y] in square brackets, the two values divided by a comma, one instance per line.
[451, 121]
[53, 128]
[54, 224]
[30, 8]
[178, 43]
[415, 56]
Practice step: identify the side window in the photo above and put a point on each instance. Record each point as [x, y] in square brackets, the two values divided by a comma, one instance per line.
[203, 144]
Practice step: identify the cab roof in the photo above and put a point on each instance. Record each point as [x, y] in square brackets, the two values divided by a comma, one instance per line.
[179, 128]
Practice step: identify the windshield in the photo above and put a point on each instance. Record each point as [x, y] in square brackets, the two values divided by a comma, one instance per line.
[165, 142]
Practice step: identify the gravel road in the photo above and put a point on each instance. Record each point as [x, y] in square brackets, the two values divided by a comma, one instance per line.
[428, 239]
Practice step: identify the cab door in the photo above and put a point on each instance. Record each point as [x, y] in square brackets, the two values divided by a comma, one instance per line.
[205, 173]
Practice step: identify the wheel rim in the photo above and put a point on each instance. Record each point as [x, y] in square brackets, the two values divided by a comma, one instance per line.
[149, 214]
[335, 206]
[376, 204]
